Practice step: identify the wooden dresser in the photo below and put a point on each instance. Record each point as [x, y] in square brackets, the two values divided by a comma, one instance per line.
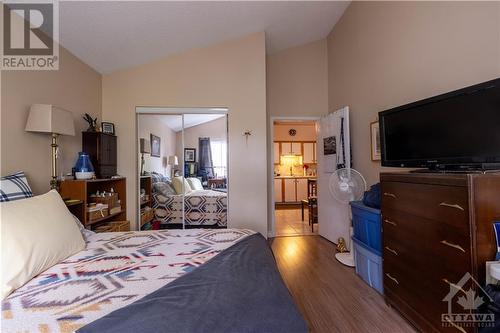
[436, 228]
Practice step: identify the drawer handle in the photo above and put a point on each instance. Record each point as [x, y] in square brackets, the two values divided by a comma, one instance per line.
[456, 246]
[454, 325]
[392, 195]
[392, 278]
[456, 286]
[390, 222]
[391, 250]
[444, 204]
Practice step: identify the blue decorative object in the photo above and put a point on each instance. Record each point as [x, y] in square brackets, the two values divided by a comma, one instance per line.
[496, 226]
[83, 163]
[83, 167]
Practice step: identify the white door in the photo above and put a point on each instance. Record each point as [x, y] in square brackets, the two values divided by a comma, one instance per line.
[308, 152]
[276, 153]
[333, 216]
[290, 190]
[278, 191]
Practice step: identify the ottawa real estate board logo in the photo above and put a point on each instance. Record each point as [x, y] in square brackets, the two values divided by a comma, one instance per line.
[466, 300]
[30, 35]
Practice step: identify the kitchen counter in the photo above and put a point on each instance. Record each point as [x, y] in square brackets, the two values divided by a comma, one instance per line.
[294, 177]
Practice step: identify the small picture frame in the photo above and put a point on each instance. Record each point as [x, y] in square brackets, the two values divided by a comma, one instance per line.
[108, 128]
[155, 145]
[330, 145]
[376, 154]
[189, 155]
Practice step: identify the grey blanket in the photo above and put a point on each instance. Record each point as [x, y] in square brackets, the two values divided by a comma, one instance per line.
[239, 290]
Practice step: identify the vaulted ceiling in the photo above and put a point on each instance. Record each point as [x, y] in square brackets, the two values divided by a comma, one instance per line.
[114, 35]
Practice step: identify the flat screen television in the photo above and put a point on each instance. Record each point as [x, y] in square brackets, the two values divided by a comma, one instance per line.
[456, 130]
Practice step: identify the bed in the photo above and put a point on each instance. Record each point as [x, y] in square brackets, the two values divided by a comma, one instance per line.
[58, 276]
[196, 280]
[200, 207]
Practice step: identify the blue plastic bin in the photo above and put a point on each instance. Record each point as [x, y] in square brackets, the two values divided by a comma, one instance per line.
[366, 226]
[368, 266]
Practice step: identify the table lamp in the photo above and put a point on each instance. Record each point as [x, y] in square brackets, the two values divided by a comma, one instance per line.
[173, 161]
[46, 118]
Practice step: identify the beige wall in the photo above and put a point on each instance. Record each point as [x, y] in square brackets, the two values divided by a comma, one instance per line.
[385, 54]
[305, 131]
[297, 86]
[215, 129]
[153, 124]
[75, 87]
[297, 81]
[230, 74]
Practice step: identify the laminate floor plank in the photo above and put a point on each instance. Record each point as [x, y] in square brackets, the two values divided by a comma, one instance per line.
[331, 297]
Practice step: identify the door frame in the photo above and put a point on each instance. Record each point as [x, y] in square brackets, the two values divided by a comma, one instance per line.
[271, 232]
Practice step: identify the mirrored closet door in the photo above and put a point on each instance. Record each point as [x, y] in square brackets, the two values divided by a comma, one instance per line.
[182, 168]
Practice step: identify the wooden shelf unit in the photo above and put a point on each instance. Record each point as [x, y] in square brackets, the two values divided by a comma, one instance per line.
[147, 185]
[82, 189]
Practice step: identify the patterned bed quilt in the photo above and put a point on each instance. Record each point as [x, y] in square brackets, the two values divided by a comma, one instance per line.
[115, 270]
[201, 207]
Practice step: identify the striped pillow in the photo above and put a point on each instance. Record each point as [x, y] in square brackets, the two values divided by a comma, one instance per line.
[14, 187]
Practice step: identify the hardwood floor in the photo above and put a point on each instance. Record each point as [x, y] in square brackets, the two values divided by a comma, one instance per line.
[330, 296]
[288, 222]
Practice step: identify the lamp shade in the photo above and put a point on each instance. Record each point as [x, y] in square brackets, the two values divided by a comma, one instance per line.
[145, 146]
[46, 118]
[173, 160]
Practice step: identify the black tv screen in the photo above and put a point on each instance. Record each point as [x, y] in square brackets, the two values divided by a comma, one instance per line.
[460, 128]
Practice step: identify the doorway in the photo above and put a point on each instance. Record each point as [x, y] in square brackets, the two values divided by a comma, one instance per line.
[182, 165]
[294, 176]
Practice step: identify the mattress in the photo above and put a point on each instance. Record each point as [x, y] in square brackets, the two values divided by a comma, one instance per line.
[115, 270]
[200, 208]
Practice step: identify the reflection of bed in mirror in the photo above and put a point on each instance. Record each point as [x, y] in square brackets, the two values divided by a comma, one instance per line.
[202, 207]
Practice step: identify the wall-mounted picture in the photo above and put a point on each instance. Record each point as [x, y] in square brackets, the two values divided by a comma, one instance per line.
[330, 145]
[189, 155]
[375, 141]
[108, 128]
[155, 145]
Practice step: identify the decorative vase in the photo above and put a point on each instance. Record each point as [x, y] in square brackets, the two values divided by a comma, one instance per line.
[83, 167]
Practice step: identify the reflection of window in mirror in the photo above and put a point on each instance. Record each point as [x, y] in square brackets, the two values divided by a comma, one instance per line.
[219, 157]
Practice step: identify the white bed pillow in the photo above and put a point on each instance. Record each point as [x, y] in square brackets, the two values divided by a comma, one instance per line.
[195, 184]
[37, 233]
[178, 182]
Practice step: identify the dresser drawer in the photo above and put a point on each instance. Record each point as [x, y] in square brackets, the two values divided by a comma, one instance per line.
[426, 245]
[448, 204]
[422, 294]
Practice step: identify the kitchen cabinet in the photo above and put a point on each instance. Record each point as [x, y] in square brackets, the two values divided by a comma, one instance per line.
[306, 149]
[309, 152]
[289, 190]
[278, 190]
[277, 152]
[291, 148]
[301, 189]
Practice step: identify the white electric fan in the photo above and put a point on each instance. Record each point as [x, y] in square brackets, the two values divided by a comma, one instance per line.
[347, 185]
